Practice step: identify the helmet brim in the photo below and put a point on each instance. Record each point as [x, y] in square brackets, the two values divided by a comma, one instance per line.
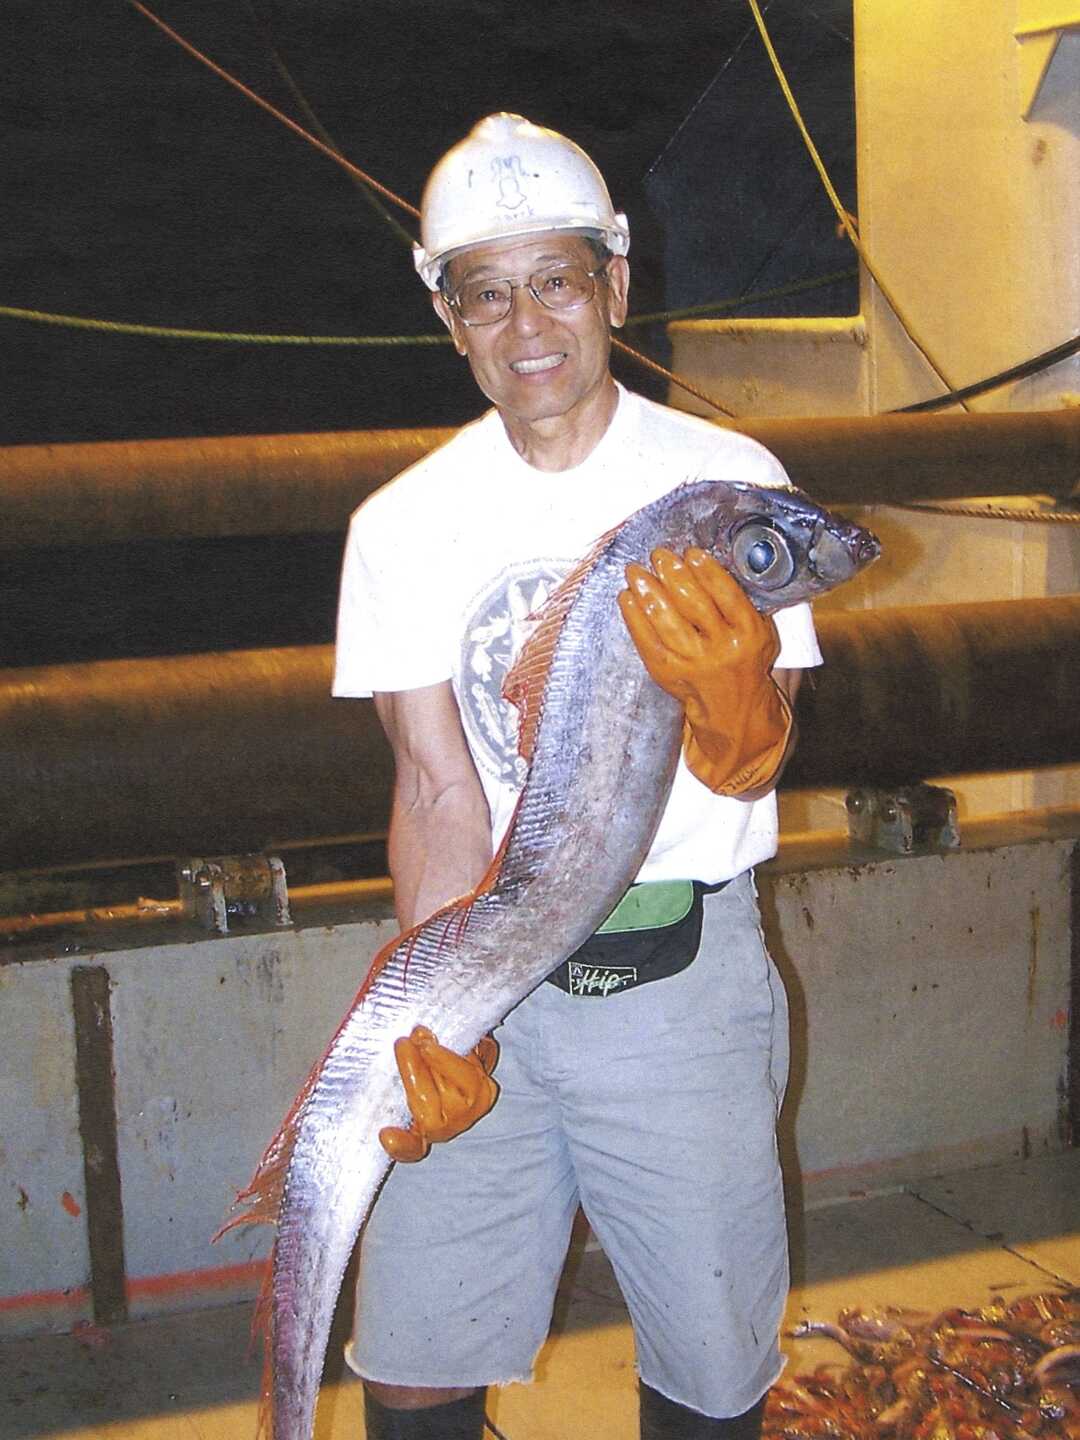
[430, 268]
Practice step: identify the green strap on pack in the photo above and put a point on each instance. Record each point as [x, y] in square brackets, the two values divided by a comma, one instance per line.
[650, 906]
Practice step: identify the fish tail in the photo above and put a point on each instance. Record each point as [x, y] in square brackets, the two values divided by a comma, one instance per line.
[262, 1329]
[260, 1202]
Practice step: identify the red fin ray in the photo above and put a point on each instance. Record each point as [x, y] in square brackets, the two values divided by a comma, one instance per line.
[525, 681]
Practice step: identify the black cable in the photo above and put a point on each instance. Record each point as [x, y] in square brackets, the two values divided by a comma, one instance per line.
[315, 123]
[1015, 372]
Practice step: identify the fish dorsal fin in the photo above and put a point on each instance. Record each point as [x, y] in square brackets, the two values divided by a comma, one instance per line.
[527, 677]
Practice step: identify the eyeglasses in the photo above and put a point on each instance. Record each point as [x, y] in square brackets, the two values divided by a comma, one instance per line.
[560, 287]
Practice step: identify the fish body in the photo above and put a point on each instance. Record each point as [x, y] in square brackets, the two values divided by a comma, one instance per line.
[603, 742]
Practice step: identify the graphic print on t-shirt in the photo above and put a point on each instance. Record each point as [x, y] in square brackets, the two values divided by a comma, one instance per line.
[496, 626]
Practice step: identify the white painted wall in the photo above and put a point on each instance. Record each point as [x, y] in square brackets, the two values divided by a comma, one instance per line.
[931, 1012]
[213, 1039]
[43, 1248]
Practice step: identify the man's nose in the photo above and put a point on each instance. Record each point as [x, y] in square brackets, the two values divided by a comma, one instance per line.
[526, 313]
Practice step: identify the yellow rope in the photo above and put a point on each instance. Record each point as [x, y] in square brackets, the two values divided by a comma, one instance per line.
[837, 204]
[235, 337]
[241, 337]
[988, 510]
[757, 297]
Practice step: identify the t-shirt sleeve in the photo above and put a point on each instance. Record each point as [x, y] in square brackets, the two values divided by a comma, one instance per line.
[391, 634]
[799, 649]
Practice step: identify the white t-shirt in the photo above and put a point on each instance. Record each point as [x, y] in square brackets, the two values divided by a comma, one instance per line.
[445, 564]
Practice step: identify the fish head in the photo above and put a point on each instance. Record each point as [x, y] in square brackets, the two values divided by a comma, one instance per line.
[780, 545]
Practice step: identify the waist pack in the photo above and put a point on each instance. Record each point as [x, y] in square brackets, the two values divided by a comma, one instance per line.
[652, 933]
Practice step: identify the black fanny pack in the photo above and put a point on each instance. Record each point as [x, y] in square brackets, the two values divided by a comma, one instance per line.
[652, 933]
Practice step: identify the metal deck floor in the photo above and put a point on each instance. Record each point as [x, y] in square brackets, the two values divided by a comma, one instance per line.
[957, 1240]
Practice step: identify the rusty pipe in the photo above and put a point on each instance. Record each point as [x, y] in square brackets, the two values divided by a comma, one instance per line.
[293, 484]
[119, 490]
[878, 459]
[919, 692]
[245, 750]
[208, 754]
[143, 914]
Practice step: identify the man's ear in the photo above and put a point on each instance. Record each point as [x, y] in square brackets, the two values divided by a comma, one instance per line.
[618, 289]
[448, 315]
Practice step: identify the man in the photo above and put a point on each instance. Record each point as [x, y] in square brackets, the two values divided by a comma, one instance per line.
[649, 1094]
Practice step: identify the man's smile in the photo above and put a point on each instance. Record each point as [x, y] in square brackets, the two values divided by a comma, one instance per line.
[534, 366]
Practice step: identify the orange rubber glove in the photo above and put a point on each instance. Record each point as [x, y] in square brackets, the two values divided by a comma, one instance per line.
[446, 1092]
[702, 641]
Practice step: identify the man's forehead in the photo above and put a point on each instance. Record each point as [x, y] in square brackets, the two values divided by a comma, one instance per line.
[507, 257]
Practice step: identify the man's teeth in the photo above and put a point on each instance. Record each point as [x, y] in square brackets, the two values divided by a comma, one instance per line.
[530, 367]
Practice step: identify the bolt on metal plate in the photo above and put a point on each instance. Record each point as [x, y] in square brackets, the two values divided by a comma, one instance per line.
[248, 890]
[910, 819]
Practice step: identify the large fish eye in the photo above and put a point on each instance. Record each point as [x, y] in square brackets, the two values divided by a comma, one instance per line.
[762, 555]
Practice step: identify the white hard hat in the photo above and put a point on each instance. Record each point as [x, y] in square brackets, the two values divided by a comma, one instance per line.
[509, 177]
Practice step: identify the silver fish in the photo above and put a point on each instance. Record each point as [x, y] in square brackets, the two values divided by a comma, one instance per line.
[603, 743]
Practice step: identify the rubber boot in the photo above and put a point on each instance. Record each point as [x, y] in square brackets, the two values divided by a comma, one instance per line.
[458, 1420]
[663, 1419]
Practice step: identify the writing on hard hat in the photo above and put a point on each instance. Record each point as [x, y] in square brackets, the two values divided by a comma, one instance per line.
[509, 177]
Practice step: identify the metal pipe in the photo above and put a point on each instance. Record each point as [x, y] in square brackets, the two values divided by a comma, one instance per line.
[188, 755]
[245, 750]
[295, 484]
[883, 459]
[921, 692]
[190, 489]
[142, 913]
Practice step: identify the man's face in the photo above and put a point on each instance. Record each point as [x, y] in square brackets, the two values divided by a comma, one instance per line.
[538, 364]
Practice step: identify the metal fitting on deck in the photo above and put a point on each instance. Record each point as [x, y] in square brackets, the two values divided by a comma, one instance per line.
[246, 888]
[913, 817]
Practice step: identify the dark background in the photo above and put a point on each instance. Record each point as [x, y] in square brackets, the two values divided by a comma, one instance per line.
[139, 187]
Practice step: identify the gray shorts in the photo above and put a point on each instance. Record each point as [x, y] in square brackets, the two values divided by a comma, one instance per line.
[656, 1110]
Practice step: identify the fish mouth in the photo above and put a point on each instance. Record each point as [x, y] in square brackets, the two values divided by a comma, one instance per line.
[836, 557]
[537, 365]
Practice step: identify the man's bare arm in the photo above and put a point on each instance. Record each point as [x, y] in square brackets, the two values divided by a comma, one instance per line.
[440, 847]
[440, 826]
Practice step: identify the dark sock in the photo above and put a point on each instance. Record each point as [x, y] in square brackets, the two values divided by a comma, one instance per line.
[663, 1419]
[457, 1420]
